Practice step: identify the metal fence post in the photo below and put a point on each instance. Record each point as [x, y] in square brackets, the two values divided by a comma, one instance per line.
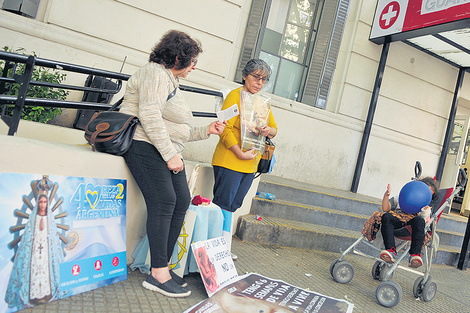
[23, 81]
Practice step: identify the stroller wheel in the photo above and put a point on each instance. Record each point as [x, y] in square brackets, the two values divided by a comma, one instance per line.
[332, 266]
[418, 287]
[388, 293]
[376, 270]
[379, 271]
[343, 272]
[383, 272]
[429, 291]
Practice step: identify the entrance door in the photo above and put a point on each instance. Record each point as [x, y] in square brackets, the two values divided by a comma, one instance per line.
[456, 156]
[456, 151]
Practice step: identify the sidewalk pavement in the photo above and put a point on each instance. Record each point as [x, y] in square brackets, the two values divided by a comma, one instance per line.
[307, 269]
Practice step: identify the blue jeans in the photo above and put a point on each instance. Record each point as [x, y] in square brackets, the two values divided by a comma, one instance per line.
[230, 188]
[166, 196]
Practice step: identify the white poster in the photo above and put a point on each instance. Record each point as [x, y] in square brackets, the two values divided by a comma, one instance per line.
[215, 263]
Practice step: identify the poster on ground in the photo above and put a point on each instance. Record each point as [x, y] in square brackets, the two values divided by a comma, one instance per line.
[215, 263]
[59, 236]
[257, 293]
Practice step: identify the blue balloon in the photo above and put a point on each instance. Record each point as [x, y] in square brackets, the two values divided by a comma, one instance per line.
[414, 196]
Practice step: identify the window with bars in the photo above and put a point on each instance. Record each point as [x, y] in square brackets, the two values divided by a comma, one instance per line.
[300, 40]
[27, 8]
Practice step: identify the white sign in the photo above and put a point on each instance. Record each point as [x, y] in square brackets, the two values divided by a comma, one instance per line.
[430, 6]
[215, 263]
[389, 17]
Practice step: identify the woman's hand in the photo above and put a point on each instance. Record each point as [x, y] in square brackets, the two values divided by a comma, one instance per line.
[264, 130]
[247, 155]
[175, 164]
[243, 155]
[216, 128]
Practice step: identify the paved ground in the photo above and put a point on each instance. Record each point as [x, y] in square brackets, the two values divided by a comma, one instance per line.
[290, 265]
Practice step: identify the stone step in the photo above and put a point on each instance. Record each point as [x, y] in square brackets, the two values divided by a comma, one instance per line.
[450, 229]
[453, 222]
[297, 192]
[450, 238]
[279, 231]
[344, 201]
[282, 232]
[307, 213]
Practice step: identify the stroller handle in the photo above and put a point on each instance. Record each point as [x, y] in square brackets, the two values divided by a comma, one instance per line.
[462, 178]
[418, 171]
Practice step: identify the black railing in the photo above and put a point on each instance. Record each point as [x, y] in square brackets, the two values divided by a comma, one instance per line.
[24, 81]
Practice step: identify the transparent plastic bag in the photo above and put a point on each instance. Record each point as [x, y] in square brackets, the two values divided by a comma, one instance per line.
[254, 113]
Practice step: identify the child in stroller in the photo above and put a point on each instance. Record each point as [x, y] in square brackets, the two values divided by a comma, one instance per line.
[394, 218]
[388, 292]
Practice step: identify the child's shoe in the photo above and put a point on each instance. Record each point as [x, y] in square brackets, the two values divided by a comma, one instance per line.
[388, 255]
[415, 261]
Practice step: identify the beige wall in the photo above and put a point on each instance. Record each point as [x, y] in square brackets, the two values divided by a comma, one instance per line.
[65, 152]
[315, 146]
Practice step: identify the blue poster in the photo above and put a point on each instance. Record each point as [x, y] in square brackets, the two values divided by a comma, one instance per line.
[59, 236]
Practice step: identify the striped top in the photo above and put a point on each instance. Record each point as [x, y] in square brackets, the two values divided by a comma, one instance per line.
[165, 124]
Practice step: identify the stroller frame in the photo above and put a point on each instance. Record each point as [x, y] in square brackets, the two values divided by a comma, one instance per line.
[389, 292]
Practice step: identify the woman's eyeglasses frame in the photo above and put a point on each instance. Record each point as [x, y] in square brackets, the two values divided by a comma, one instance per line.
[264, 79]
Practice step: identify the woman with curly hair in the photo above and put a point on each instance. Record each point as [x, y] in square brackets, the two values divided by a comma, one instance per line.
[154, 158]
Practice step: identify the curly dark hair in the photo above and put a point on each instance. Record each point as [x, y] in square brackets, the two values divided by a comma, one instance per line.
[431, 183]
[175, 50]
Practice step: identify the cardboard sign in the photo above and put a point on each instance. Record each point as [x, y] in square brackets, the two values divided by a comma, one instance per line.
[215, 263]
[63, 236]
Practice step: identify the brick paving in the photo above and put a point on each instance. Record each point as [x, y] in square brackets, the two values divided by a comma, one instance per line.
[290, 265]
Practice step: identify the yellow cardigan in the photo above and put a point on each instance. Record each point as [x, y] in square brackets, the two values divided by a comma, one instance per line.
[231, 136]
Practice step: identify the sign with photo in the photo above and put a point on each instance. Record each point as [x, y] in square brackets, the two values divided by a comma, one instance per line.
[257, 293]
[60, 236]
[215, 263]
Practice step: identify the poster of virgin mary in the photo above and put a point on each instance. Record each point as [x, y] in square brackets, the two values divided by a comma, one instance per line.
[54, 246]
[34, 277]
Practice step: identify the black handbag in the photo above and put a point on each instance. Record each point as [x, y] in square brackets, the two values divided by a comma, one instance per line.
[111, 132]
[265, 161]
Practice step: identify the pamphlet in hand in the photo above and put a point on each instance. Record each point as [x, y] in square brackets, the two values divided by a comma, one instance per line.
[227, 114]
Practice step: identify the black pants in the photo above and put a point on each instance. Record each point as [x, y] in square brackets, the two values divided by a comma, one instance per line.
[166, 195]
[390, 223]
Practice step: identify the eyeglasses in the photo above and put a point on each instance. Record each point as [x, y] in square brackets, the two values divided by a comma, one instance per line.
[260, 78]
[194, 60]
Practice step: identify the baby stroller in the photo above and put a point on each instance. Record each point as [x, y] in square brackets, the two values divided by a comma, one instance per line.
[389, 293]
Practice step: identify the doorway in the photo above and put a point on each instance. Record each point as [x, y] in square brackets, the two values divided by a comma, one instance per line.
[457, 157]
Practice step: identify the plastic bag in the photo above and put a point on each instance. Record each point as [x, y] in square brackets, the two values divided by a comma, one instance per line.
[254, 114]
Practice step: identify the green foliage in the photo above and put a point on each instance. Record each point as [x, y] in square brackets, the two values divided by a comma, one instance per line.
[42, 74]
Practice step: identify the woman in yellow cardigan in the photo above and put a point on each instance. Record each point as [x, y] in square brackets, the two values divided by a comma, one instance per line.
[234, 168]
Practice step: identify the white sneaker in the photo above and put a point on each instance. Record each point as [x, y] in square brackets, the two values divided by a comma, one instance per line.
[234, 257]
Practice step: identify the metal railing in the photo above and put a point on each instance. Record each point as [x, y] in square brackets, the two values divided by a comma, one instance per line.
[24, 81]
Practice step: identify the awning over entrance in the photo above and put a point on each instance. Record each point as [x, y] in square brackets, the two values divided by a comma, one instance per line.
[451, 46]
[438, 27]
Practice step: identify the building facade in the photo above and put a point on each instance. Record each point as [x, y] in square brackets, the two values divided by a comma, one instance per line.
[324, 69]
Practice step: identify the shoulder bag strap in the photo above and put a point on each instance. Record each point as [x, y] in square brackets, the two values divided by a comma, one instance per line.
[114, 107]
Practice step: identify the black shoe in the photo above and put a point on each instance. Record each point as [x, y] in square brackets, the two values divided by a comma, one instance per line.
[177, 279]
[169, 288]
